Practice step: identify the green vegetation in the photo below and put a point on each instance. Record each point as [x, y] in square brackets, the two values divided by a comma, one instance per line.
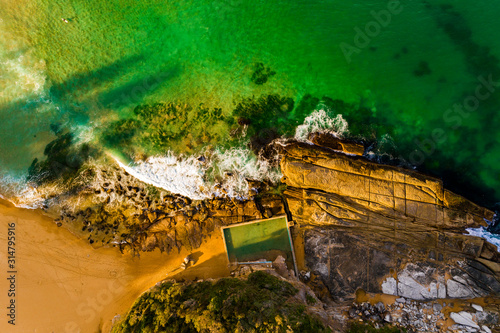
[310, 300]
[260, 304]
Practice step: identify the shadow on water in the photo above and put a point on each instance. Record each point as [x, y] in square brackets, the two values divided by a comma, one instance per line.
[74, 96]
[87, 81]
[467, 159]
[74, 102]
[134, 91]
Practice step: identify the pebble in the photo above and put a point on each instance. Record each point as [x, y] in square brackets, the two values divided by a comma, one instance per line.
[415, 316]
[477, 307]
[486, 329]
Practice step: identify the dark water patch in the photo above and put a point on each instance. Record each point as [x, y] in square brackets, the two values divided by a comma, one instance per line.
[56, 128]
[363, 121]
[306, 105]
[457, 163]
[268, 117]
[460, 143]
[120, 133]
[157, 128]
[422, 69]
[133, 92]
[62, 160]
[453, 156]
[479, 58]
[261, 74]
[86, 82]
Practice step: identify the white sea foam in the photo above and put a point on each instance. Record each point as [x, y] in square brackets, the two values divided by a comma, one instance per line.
[234, 166]
[482, 232]
[174, 174]
[23, 76]
[21, 194]
[323, 121]
[224, 171]
[218, 172]
[28, 79]
[83, 133]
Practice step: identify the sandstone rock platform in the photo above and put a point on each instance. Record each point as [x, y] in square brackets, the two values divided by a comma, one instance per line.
[385, 229]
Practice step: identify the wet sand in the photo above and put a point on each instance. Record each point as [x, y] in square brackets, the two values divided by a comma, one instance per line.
[65, 285]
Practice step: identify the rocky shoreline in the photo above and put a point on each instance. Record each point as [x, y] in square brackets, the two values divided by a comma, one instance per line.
[116, 209]
[387, 230]
[364, 226]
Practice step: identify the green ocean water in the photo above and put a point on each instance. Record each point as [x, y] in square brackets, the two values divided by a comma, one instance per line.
[112, 56]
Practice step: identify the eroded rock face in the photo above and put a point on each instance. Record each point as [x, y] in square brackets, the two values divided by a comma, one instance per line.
[386, 229]
[114, 208]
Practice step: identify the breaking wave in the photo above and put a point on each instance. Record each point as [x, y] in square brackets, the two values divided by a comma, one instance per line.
[23, 195]
[482, 232]
[322, 121]
[224, 171]
[217, 173]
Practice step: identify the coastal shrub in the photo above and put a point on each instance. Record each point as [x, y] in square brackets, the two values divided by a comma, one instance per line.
[310, 300]
[259, 304]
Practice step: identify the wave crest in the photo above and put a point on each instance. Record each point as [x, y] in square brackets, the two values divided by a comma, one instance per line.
[322, 121]
[215, 173]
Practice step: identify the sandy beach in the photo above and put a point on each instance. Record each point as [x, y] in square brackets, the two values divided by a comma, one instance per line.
[62, 284]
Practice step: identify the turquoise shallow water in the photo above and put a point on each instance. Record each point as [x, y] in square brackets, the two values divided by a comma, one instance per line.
[115, 55]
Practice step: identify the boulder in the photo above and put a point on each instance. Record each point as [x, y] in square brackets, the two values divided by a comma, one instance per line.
[464, 318]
